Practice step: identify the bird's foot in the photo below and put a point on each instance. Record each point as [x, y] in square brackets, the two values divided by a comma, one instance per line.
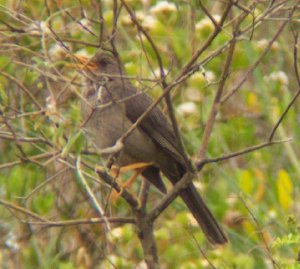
[117, 171]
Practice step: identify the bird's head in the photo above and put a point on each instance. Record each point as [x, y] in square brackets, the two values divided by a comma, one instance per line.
[101, 64]
[101, 69]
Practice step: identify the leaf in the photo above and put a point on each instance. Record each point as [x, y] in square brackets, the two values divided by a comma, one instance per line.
[261, 189]
[286, 240]
[250, 230]
[3, 95]
[284, 189]
[246, 182]
[44, 203]
[253, 102]
[72, 142]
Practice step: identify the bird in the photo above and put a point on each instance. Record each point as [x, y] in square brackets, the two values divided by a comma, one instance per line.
[109, 107]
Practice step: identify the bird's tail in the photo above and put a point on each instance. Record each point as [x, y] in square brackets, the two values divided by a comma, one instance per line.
[202, 214]
[174, 171]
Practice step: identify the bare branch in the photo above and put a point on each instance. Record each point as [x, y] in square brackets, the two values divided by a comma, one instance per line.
[216, 103]
[260, 232]
[22, 210]
[75, 222]
[295, 35]
[23, 88]
[200, 164]
[169, 197]
[90, 194]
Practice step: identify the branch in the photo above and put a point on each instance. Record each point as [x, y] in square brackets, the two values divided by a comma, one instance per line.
[23, 88]
[259, 230]
[216, 103]
[124, 193]
[30, 159]
[163, 80]
[200, 164]
[22, 210]
[257, 62]
[296, 69]
[170, 196]
[64, 223]
[90, 193]
[146, 236]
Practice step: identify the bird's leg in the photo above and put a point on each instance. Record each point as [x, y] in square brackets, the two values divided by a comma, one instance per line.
[138, 169]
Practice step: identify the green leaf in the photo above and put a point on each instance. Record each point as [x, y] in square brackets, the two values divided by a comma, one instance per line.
[66, 265]
[44, 203]
[246, 182]
[3, 95]
[75, 141]
[284, 189]
[290, 239]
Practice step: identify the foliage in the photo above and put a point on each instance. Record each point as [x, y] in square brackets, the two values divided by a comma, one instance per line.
[41, 138]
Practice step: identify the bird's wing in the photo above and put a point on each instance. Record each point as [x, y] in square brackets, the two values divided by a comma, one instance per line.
[155, 124]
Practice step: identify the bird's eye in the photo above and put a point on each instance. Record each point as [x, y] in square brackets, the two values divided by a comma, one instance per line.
[103, 63]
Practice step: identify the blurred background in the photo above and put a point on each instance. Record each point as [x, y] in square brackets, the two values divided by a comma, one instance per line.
[255, 196]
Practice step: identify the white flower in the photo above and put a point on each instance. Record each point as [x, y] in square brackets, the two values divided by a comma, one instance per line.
[57, 52]
[34, 28]
[149, 22]
[186, 108]
[263, 43]
[210, 76]
[142, 265]
[117, 232]
[191, 219]
[163, 7]
[50, 104]
[44, 27]
[197, 77]
[156, 72]
[204, 75]
[198, 185]
[193, 94]
[278, 76]
[84, 22]
[207, 23]
[82, 53]
[272, 214]
[126, 20]
[11, 242]
[231, 200]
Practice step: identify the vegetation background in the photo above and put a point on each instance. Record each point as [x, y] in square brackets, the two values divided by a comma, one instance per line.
[237, 58]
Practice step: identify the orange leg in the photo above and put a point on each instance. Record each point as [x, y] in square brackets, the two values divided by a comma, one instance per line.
[117, 171]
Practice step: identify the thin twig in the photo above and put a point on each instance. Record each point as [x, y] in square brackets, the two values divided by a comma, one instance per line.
[23, 88]
[91, 194]
[111, 182]
[44, 183]
[295, 59]
[202, 251]
[259, 230]
[22, 210]
[200, 164]
[91, 221]
[253, 67]
[216, 103]
[162, 78]
[169, 197]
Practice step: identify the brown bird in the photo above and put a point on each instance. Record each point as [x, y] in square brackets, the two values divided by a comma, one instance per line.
[112, 104]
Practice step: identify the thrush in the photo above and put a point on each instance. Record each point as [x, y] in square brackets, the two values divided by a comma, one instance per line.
[110, 106]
